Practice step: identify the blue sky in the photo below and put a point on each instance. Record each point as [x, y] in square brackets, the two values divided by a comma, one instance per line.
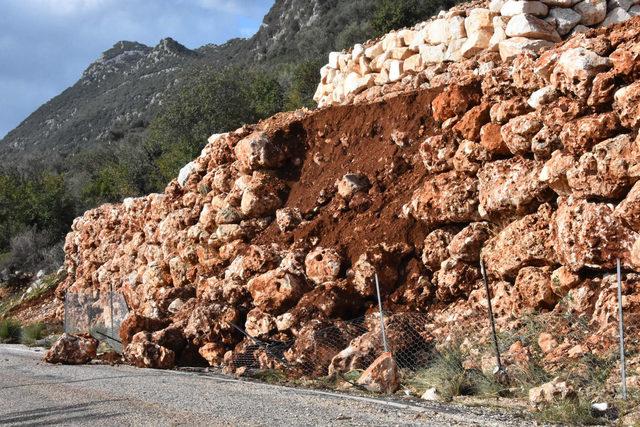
[46, 44]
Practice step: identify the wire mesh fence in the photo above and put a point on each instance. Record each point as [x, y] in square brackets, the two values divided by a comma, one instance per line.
[98, 314]
[337, 347]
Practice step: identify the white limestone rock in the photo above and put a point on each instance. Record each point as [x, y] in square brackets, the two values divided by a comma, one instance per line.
[542, 97]
[531, 27]
[592, 11]
[566, 19]
[478, 19]
[476, 43]
[512, 47]
[432, 54]
[395, 70]
[616, 16]
[625, 4]
[516, 7]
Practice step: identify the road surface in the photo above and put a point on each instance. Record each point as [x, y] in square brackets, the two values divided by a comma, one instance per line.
[35, 393]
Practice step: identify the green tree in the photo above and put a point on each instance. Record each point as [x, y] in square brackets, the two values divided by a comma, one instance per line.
[305, 79]
[395, 14]
[212, 102]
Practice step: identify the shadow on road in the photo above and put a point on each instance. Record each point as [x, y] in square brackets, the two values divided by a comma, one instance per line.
[53, 415]
[77, 381]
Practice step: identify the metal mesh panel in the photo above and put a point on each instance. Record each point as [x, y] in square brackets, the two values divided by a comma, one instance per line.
[97, 314]
[337, 347]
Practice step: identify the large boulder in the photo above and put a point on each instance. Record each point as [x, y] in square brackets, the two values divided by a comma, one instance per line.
[510, 186]
[608, 171]
[382, 376]
[526, 25]
[627, 105]
[455, 101]
[437, 153]
[456, 279]
[262, 196]
[518, 133]
[258, 151]
[72, 350]
[533, 287]
[382, 260]
[580, 135]
[466, 245]
[628, 211]
[592, 11]
[525, 242]
[590, 235]
[323, 265]
[436, 245]
[276, 291]
[514, 46]
[575, 69]
[144, 353]
[450, 197]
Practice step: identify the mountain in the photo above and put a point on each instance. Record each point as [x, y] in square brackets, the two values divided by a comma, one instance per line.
[120, 93]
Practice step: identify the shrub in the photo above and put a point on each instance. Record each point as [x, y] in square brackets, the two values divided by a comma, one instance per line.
[450, 378]
[394, 14]
[10, 331]
[32, 333]
[570, 412]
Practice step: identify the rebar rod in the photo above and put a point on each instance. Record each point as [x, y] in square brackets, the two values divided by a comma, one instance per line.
[623, 368]
[490, 312]
[384, 335]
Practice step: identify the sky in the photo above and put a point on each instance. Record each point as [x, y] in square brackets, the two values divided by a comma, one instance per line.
[45, 45]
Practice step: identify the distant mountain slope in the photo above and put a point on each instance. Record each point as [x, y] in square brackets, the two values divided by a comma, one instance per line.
[124, 89]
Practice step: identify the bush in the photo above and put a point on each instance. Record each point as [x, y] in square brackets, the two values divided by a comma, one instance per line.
[213, 102]
[570, 412]
[450, 378]
[10, 331]
[395, 14]
[32, 333]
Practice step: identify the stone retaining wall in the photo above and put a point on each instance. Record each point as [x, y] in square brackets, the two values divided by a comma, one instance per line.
[505, 26]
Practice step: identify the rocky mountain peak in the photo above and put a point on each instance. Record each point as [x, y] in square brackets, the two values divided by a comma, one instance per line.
[172, 47]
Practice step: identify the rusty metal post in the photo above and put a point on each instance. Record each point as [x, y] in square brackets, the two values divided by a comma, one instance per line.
[623, 367]
[490, 313]
[384, 334]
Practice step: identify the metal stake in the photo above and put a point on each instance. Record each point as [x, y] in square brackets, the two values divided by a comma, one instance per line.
[384, 335]
[111, 309]
[623, 368]
[490, 312]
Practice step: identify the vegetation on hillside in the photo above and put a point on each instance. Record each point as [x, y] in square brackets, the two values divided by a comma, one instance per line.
[38, 202]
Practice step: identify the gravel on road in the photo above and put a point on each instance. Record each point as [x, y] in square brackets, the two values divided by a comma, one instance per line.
[33, 392]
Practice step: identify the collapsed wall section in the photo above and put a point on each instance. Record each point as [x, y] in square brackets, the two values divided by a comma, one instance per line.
[279, 228]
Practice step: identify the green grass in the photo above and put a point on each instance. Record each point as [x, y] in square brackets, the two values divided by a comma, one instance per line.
[270, 376]
[448, 376]
[33, 333]
[570, 412]
[10, 331]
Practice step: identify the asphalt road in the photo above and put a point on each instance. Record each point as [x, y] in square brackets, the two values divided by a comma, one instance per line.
[35, 393]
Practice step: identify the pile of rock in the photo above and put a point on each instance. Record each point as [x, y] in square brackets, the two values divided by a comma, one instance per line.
[509, 27]
[279, 228]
